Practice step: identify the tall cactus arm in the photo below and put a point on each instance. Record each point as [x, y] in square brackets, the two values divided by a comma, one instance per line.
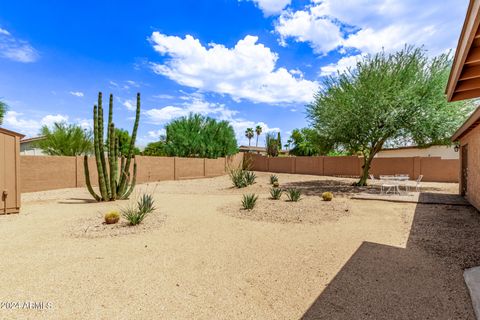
[87, 179]
[111, 161]
[134, 180]
[101, 144]
[132, 142]
[101, 177]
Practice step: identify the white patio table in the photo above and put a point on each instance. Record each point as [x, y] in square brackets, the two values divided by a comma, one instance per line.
[394, 181]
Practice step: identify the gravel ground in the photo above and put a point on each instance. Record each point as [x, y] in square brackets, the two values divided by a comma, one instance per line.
[196, 258]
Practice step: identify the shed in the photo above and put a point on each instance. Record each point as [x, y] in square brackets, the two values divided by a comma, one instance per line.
[9, 171]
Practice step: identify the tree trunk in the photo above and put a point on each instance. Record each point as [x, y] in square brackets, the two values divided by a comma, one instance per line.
[366, 169]
[257, 141]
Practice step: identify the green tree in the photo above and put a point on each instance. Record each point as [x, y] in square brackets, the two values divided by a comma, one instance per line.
[157, 148]
[307, 142]
[385, 97]
[199, 136]
[65, 140]
[249, 134]
[3, 110]
[271, 142]
[124, 139]
[258, 131]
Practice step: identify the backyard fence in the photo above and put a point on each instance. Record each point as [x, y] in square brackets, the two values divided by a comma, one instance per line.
[39, 173]
[433, 169]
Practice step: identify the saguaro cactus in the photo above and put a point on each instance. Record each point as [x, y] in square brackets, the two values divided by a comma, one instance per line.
[113, 182]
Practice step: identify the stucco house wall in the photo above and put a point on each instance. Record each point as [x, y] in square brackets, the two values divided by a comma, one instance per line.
[472, 139]
[444, 152]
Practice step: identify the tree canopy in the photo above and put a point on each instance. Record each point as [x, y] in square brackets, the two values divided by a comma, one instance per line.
[387, 97]
[308, 142]
[124, 141]
[157, 149]
[65, 140]
[3, 110]
[200, 136]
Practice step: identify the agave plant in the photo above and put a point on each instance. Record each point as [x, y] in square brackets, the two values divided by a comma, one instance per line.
[249, 201]
[276, 193]
[293, 194]
[273, 178]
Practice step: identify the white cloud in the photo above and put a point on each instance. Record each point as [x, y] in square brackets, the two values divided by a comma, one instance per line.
[155, 134]
[16, 49]
[130, 105]
[77, 93]
[30, 127]
[341, 65]
[246, 71]
[369, 26]
[192, 105]
[270, 7]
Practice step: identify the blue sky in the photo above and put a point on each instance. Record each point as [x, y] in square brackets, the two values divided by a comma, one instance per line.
[249, 62]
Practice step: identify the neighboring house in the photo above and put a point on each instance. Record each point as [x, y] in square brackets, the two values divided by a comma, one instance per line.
[258, 150]
[444, 152]
[28, 146]
[464, 83]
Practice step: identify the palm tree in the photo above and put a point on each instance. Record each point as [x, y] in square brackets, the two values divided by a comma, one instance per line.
[258, 130]
[249, 134]
[3, 109]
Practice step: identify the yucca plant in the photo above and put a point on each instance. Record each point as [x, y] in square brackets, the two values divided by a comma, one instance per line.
[145, 204]
[250, 177]
[273, 178]
[293, 194]
[276, 193]
[249, 201]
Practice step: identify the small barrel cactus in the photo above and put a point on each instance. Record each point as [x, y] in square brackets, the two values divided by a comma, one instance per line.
[276, 184]
[327, 196]
[112, 217]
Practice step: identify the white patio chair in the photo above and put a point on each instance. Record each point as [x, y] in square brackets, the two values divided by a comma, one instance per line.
[372, 177]
[417, 186]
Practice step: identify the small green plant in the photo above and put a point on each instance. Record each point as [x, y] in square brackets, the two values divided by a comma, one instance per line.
[145, 204]
[293, 194]
[242, 178]
[273, 179]
[249, 201]
[276, 193]
[136, 214]
[276, 184]
[327, 196]
[250, 177]
[112, 217]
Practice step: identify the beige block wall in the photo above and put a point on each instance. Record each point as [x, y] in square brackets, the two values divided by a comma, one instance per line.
[39, 173]
[309, 165]
[473, 186]
[341, 166]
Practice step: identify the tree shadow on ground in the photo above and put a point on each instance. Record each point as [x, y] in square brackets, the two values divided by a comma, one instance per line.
[338, 187]
[422, 281]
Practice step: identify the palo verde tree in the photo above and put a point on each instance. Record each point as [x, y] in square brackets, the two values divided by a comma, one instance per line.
[385, 97]
[3, 110]
[114, 181]
[65, 140]
[199, 136]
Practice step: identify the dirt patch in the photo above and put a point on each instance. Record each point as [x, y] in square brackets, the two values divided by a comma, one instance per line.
[312, 210]
[95, 227]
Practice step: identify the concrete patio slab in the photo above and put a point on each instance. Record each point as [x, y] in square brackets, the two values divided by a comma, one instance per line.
[472, 279]
[416, 197]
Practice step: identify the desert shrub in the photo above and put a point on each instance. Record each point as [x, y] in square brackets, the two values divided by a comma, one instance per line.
[276, 184]
[293, 194]
[250, 177]
[276, 193]
[273, 179]
[145, 204]
[112, 217]
[249, 201]
[327, 196]
[136, 214]
[242, 178]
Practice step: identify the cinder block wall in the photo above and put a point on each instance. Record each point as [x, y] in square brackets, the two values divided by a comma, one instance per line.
[433, 169]
[39, 173]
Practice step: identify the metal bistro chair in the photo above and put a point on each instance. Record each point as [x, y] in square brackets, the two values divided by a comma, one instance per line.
[389, 185]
